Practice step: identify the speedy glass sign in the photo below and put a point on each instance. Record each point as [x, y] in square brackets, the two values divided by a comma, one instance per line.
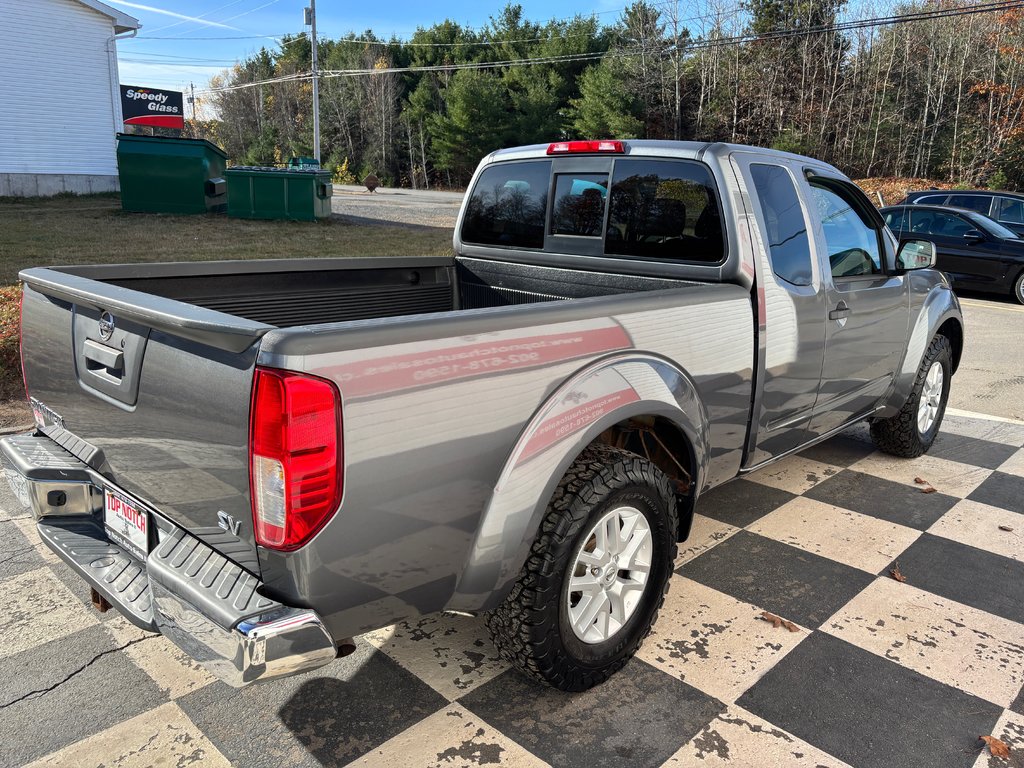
[151, 106]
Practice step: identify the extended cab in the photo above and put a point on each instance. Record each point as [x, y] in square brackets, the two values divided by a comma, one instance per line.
[263, 459]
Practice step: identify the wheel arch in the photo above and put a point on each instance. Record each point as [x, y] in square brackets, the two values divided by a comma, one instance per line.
[937, 313]
[612, 401]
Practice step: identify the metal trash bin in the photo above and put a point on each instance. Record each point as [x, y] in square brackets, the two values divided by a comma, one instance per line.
[300, 194]
[166, 175]
[303, 162]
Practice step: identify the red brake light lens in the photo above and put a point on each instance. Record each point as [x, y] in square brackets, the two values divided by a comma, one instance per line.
[295, 457]
[605, 146]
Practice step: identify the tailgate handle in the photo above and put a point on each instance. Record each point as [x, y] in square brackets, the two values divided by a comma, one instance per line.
[104, 357]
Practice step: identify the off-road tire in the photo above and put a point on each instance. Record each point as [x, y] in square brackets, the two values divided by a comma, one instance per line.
[900, 435]
[530, 628]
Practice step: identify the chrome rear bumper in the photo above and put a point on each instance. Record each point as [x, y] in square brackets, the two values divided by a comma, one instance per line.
[205, 604]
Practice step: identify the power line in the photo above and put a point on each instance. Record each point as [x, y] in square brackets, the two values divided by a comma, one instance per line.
[697, 44]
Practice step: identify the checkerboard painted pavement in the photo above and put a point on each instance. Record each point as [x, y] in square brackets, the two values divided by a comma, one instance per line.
[879, 673]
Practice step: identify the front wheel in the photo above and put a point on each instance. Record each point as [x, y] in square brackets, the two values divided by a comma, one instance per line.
[1018, 288]
[596, 574]
[912, 431]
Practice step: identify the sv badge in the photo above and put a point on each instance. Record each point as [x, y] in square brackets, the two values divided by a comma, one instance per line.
[228, 523]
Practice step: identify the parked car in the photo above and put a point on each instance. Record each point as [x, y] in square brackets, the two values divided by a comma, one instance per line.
[1005, 207]
[976, 252]
[262, 459]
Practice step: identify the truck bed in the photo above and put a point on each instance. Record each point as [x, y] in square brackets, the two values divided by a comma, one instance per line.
[161, 405]
[291, 293]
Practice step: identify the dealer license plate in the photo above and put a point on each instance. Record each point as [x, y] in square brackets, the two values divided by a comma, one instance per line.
[127, 524]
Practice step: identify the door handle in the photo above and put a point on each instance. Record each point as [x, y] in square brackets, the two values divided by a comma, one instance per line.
[841, 312]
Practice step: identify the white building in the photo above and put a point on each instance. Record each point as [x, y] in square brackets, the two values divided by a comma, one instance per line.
[60, 102]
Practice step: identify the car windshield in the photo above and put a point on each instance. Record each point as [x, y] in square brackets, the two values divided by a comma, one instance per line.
[991, 226]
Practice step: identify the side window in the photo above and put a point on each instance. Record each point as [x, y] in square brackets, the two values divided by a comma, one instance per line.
[852, 241]
[508, 205]
[895, 219]
[938, 223]
[579, 204]
[979, 203]
[664, 210]
[1010, 211]
[931, 200]
[788, 245]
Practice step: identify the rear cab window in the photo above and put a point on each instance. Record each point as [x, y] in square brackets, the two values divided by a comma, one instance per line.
[508, 205]
[640, 208]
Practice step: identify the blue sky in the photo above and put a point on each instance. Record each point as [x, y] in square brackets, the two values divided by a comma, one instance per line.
[185, 57]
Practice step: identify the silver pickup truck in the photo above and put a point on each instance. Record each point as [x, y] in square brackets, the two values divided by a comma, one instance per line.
[263, 459]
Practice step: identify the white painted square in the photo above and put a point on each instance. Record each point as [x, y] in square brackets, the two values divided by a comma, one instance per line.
[705, 533]
[839, 534]
[714, 642]
[452, 737]
[451, 654]
[739, 739]
[795, 474]
[36, 608]
[164, 736]
[949, 477]
[977, 525]
[945, 640]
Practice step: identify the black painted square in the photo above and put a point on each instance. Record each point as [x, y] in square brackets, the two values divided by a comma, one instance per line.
[884, 499]
[841, 450]
[797, 585]
[63, 691]
[1001, 490]
[741, 502]
[869, 711]
[330, 716]
[1018, 703]
[640, 717]
[981, 579]
[971, 450]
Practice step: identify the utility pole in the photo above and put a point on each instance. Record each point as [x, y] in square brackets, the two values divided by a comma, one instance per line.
[311, 22]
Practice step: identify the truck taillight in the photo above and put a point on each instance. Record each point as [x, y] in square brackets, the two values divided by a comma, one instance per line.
[295, 456]
[605, 146]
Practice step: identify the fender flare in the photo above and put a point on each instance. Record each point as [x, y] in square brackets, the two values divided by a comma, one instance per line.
[599, 396]
[939, 306]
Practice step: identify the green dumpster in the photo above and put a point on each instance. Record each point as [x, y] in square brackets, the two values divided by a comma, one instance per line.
[301, 194]
[165, 175]
[303, 162]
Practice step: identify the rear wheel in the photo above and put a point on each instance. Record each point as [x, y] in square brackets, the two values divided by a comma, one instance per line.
[912, 431]
[1018, 288]
[596, 574]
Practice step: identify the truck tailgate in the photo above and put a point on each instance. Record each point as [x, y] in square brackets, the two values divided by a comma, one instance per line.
[152, 393]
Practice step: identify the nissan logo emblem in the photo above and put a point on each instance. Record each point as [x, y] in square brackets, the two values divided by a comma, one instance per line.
[106, 326]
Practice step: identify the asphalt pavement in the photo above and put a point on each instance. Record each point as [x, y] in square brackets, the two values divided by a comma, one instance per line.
[991, 375]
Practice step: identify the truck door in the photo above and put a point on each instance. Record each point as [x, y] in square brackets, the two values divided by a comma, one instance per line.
[791, 333]
[867, 305]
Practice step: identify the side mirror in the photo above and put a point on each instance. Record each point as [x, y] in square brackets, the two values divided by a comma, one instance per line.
[915, 254]
[974, 236]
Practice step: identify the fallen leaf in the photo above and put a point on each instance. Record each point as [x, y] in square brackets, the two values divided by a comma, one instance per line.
[897, 574]
[778, 621]
[996, 747]
[927, 486]
[920, 481]
[928, 489]
[1005, 528]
